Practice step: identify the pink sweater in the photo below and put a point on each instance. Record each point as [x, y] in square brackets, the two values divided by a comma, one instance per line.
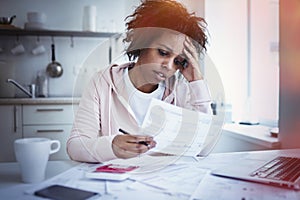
[104, 108]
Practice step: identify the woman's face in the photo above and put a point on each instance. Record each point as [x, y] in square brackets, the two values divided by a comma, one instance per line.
[159, 62]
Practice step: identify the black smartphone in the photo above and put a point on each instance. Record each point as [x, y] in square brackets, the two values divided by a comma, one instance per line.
[59, 192]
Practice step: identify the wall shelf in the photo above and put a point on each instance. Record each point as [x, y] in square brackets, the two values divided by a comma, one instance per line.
[60, 33]
[55, 33]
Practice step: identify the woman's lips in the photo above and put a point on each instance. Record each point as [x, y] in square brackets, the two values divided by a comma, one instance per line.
[160, 75]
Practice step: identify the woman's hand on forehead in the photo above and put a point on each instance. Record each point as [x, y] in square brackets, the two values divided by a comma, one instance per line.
[192, 71]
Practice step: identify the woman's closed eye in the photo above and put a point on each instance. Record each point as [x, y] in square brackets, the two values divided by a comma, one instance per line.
[163, 52]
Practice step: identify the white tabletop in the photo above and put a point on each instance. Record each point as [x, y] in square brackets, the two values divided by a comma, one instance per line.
[11, 186]
[10, 172]
[208, 187]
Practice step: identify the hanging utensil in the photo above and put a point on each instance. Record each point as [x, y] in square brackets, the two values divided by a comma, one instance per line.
[54, 69]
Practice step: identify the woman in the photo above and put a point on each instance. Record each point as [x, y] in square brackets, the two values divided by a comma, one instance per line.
[164, 42]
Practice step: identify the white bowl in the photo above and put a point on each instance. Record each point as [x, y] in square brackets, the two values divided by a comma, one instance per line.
[34, 26]
[36, 17]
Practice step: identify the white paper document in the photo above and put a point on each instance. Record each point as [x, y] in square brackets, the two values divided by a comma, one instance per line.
[176, 130]
[175, 179]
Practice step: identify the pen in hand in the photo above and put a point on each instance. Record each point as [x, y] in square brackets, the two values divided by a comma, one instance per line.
[140, 142]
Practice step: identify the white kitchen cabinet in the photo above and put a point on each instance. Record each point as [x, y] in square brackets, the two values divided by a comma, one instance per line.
[47, 114]
[51, 121]
[10, 130]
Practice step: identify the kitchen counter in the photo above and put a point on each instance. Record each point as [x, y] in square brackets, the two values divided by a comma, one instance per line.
[34, 101]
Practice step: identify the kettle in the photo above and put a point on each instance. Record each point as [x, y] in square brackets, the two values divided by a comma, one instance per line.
[7, 20]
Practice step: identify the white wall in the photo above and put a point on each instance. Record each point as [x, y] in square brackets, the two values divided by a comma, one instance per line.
[61, 15]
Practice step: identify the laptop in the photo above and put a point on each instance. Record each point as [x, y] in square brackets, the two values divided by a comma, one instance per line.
[281, 170]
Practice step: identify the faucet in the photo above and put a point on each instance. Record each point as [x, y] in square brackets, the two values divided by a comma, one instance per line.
[30, 93]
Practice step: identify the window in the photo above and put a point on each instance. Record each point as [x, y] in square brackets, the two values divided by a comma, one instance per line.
[244, 37]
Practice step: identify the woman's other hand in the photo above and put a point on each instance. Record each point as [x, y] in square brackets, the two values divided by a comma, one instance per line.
[128, 146]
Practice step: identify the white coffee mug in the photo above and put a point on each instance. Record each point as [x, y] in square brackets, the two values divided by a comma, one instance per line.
[18, 49]
[32, 155]
[39, 49]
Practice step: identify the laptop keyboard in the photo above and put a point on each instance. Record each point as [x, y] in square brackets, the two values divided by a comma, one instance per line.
[281, 168]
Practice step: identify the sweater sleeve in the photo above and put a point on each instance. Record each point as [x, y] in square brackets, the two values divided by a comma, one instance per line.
[86, 142]
[200, 97]
[195, 95]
